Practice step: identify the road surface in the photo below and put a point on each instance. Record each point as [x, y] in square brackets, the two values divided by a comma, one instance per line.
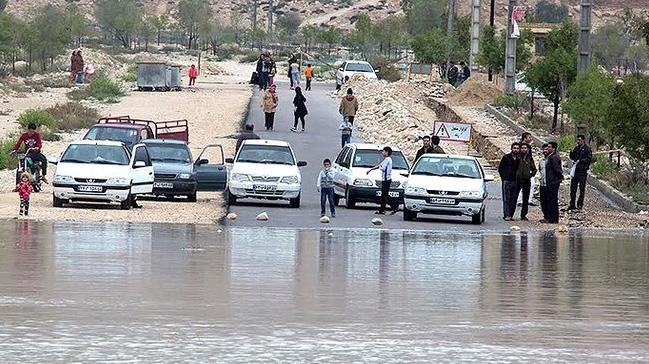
[322, 140]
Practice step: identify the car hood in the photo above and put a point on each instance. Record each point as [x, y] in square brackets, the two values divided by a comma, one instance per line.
[98, 171]
[453, 184]
[161, 167]
[375, 175]
[369, 75]
[259, 169]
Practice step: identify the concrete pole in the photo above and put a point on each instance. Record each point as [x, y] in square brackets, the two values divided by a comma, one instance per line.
[475, 35]
[510, 54]
[271, 9]
[449, 31]
[492, 19]
[584, 36]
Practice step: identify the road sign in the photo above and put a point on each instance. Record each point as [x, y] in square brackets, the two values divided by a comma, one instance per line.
[458, 132]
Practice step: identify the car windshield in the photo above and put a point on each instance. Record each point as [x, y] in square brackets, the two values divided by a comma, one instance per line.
[124, 135]
[270, 154]
[450, 167]
[371, 158]
[169, 153]
[96, 154]
[359, 67]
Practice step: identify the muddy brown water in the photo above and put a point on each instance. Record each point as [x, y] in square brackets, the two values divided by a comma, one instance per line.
[73, 292]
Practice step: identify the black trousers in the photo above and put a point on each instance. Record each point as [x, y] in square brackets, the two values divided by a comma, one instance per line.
[578, 182]
[524, 186]
[308, 84]
[269, 120]
[550, 202]
[385, 194]
[300, 118]
[350, 119]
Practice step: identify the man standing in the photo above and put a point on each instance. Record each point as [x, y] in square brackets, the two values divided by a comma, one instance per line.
[349, 106]
[526, 138]
[248, 133]
[425, 148]
[452, 74]
[525, 173]
[386, 180]
[581, 157]
[465, 72]
[436, 148]
[551, 177]
[507, 170]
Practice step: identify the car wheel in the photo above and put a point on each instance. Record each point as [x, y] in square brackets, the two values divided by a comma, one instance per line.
[350, 202]
[295, 202]
[57, 202]
[478, 218]
[409, 215]
[336, 199]
[232, 199]
[126, 204]
[192, 197]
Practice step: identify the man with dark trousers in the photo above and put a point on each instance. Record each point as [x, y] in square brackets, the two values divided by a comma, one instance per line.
[551, 177]
[507, 170]
[581, 157]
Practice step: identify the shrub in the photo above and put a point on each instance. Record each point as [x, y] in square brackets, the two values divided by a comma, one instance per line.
[73, 115]
[7, 161]
[603, 167]
[515, 102]
[249, 57]
[102, 88]
[566, 143]
[131, 73]
[78, 94]
[39, 117]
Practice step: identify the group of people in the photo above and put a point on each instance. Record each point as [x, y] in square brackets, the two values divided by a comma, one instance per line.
[517, 170]
[80, 72]
[456, 75]
[266, 70]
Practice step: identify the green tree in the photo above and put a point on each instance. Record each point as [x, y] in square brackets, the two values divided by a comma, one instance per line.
[549, 12]
[609, 45]
[310, 35]
[330, 37]
[192, 13]
[119, 18]
[146, 31]
[392, 33]
[363, 35]
[52, 34]
[630, 116]
[431, 47]
[423, 16]
[77, 23]
[461, 39]
[290, 24]
[491, 52]
[3, 5]
[160, 23]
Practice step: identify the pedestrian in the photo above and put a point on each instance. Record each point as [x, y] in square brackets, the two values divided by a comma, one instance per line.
[525, 173]
[299, 102]
[526, 138]
[269, 105]
[273, 71]
[291, 60]
[465, 73]
[295, 75]
[425, 147]
[192, 73]
[349, 106]
[551, 177]
[308, 75]
[88, 72]
[24, 189]
[434, 140]
[262, 79]
[452, 74]
[72, 61]
[266, 68]
[386, 180]
[76, 67]
[325, 186]
[507, 170]
[581, 156]
[247, 133]
[346, 129]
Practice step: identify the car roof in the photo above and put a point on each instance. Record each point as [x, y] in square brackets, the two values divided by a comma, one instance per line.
[280, 143]
[120, 125]
[450, 156]
[97, 142]
[364, 62]
[164, 141]
[367, 146]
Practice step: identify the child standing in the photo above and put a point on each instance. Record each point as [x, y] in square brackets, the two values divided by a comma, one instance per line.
[325, 186]
[192, 73]
[345, 132]
[308, 75]
[24, 189]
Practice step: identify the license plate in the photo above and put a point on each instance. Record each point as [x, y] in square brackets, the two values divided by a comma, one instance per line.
[90, 189]
[391, 194]
[163, 185]
[442, 201]
[263, 188]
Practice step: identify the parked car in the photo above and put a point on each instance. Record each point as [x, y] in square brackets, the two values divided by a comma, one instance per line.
[446, 185]
[265, 169]
[176, 172]
[351, 68]
[102, 171]
[133, 131]
[354, 184]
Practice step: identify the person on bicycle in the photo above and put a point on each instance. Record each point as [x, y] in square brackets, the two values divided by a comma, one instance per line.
[33, 143]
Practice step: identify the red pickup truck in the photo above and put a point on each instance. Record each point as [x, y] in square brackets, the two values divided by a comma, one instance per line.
[133, 131]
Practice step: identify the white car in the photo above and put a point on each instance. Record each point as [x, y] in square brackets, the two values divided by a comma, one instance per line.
[102, 171]
[352, 182]
[265, 169]
[446, 185]
[351, 68]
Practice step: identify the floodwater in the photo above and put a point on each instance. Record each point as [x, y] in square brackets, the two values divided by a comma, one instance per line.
[129, 293]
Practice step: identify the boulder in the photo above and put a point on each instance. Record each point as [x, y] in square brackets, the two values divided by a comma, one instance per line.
[263, 216]
[376, 221]
[325, 220]
[231, 216]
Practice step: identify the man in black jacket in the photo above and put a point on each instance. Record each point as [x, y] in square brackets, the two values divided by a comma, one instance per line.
[551, 177]
[425, 148]
[581, 156]
[507, 170]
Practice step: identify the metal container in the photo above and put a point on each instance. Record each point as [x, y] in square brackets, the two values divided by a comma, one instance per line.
[152, 75]
[175, 82]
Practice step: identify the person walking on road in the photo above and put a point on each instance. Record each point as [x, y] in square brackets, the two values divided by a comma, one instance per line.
[247, 133]
[299, 102]
[269, 105]
[551, 177]
[507, 170]
[263, 79]
[526, 171]
[192, 73]
[295, 75]
[325, 186]
[291, 60]
[581, 156]
[526, 138]
[308, 75]
[386, 180]
[346, 129]
[349, 106]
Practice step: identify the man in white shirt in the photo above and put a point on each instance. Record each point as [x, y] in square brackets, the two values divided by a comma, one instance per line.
[386, 179]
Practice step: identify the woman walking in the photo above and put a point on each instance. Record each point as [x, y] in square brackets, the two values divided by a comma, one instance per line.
[269, 105]
[299, 101]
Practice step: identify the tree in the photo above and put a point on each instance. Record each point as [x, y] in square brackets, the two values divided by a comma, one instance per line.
[547, 12]
[160, 23]
[119, 18]
[431, 47]
[310, 34]
[289, 24]
[3, 5]
[192, 13]
[363, 35]
[393, 34]
[77, 23]
[422, 16]
[52, 34]
[146, 31]
[491, 52]
[630, 116]
[609, 45]
[461, 39]
[330, 37]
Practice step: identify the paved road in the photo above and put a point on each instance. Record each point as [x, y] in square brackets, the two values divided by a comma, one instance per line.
[322, 140]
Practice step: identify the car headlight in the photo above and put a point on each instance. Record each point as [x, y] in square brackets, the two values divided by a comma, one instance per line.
[240, 177]
[185, 176]
[471, 194]
[118, 181]
[291, 180]
[366, 182]
[63, 179]
[415, 191]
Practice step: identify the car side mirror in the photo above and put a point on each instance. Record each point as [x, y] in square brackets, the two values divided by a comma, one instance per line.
[139, 164]
[301, 163]
[489, 178]
[200, 162]
[340, 69]
[229, 160]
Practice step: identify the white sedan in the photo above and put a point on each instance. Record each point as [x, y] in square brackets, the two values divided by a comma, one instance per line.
[102, 171]
[351, 68]
[446, 185]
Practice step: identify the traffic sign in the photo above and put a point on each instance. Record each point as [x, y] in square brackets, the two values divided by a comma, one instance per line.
[458, 132]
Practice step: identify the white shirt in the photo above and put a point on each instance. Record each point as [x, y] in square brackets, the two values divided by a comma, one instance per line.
[542, 165]
[386, 169]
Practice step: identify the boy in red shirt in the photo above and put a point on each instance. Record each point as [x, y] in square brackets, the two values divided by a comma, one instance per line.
[32, 140]
[193, 73]
[24, 189]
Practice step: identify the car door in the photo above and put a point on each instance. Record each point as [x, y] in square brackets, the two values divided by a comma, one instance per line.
[141, 171]
[337, 171]
[210, 170]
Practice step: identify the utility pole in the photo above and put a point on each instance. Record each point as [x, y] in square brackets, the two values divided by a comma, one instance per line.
[510, 54]
[492, 20]
[271, 9]
[255, 5]
[584, 36]
[449, 32]
[475, 34]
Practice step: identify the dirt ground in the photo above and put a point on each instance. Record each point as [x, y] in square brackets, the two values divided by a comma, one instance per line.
[214, 109]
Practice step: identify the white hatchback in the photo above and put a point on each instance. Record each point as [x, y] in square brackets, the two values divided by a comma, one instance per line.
[350, 68]
[265, 169]
[102, 171]
[446, 185]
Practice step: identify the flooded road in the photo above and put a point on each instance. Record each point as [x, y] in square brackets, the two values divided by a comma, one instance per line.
[73, 292]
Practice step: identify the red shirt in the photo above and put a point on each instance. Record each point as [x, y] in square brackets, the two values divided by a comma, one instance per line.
[24, 190]
[33, 141]
[193, 72]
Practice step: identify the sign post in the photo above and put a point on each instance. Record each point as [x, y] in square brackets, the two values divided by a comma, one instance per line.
[454, 132]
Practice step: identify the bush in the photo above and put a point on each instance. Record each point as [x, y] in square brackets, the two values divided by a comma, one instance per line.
[516, 102]
[73, 116]
[249, 57]
[39, 117]
[603, 167]
[7, 161]
[131, 73]
[103, 88]
[566, 143]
